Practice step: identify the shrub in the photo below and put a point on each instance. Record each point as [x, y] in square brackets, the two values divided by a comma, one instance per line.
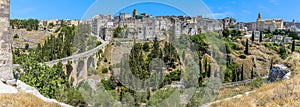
[16, 36]
[105, 70]
[106, 84]
[257, 82]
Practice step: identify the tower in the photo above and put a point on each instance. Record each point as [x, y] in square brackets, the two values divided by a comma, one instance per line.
[134, 13]
[259, 17]
[259, 23]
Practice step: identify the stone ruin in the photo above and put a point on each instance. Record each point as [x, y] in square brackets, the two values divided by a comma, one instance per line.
[6, 70]
[279, 72]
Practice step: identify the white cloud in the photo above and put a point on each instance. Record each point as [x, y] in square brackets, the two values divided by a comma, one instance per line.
[274, 2]
[222, 15]
[27, 10]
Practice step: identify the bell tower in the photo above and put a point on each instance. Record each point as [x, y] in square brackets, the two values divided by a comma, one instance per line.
[134, 13]
[259, 17]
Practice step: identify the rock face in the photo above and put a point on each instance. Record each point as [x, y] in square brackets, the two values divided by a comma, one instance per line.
[279, 72]
[6, 72]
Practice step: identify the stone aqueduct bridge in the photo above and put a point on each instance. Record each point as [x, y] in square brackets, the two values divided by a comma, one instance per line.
[80, 63]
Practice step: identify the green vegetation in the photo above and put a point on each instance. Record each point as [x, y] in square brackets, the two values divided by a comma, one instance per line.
[140, 57]
[233, 33]
[68, 41]
[261, 36]
[252, 37]
[173, 76]
[30, 24]
[280, 49]
[246, 48]
[16, 36]
[256, 83]
[230, 45]
[200, 43]
[160, 95]
[105, 70]
[294, 35]
[118, 32]
[283, 52]
[293, 46]
[233, 73]
[51, 82]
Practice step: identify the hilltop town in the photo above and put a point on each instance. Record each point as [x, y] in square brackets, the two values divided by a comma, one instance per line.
[87, 54]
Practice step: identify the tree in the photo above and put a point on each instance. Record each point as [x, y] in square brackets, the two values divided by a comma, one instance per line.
[26, 46]
[252, 73]
[16, 36]
[260, 36]
[242, 72]
[271, 64]
[246, 47]
[293, 46]
[282, 52]
[226, 32]
[294, 35]
[209, 71]
[156, 50]
[146, 47]
[205, 65]
[252, 37]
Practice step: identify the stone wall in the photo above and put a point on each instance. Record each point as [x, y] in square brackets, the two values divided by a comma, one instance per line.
[6, 72]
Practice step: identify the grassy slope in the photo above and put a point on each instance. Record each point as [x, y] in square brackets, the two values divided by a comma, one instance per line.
[283, 93]
[22, 100]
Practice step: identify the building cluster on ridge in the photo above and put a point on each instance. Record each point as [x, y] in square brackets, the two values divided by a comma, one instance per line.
[146, 27]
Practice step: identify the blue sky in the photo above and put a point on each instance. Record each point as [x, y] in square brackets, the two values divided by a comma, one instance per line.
[242, 10]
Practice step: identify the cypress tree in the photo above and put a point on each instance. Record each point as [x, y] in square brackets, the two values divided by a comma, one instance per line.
[293, 46]
[205, 64]
[242, 72]
[233, 76]
[252, 73]
[271, 65]
[252, 37]
[260, 36]
[246, 47]
[209, 70]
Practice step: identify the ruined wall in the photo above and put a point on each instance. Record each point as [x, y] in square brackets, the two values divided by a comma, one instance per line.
[6, 72]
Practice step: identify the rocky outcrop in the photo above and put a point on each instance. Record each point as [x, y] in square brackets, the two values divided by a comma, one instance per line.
[279, 72]
[6, 72]
[7, 88]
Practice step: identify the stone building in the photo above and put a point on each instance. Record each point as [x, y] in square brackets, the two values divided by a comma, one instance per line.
[263, 24]
[229, 22]
[146, 27]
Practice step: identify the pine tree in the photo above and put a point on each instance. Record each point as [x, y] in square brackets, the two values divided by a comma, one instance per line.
[246, 48]
[252, 37]
[156, 51]
[293, 46]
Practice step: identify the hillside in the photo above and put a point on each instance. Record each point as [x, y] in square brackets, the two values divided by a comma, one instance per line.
[23, 100]
[22, 36]
[283, 93]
